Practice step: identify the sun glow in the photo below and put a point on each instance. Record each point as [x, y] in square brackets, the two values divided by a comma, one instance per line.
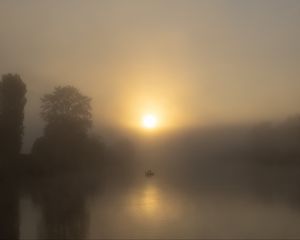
[149, 121]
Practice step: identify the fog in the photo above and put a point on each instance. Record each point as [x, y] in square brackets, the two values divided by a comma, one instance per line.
[219, 79]
[196, 62]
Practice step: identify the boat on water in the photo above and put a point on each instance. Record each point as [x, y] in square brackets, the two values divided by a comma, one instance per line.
[149, 173]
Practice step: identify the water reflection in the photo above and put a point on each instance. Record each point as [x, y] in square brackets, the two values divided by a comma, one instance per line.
[9, 206]
[148, 203]
[152, 202]
[62, 201]
[153, 208]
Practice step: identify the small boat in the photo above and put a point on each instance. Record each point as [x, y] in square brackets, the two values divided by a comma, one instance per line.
[149, 173]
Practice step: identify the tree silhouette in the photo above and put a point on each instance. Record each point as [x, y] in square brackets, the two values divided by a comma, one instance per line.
[66, 142]
[66, 109]
[12, 103]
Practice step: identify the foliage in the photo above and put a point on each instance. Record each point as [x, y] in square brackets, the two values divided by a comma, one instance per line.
[66, 109]
[12, 103]
[66, 144]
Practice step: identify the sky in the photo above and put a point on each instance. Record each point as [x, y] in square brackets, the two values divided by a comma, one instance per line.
[192, 63]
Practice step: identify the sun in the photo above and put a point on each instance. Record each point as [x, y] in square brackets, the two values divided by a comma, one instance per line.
[149, 121]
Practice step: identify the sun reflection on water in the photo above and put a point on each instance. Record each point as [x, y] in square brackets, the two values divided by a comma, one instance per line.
[146, 202]
[151, 203]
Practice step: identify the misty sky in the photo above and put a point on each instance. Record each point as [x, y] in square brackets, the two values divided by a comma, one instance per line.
[191, 62]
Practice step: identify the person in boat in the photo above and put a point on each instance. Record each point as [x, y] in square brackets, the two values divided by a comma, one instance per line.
[149, 173]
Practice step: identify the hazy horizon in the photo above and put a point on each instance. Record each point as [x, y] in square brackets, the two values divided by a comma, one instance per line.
[153, 119]
[193, 63]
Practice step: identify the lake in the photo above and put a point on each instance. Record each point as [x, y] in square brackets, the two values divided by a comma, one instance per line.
[156, 208]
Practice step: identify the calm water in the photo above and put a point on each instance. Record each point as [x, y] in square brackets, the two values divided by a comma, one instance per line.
[155, 208]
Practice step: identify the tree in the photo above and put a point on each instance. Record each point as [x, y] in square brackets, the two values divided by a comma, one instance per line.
[66, 109]
[12, 103]
[65, 143]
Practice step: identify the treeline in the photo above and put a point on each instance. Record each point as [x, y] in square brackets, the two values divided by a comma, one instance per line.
[246, 154]
[67, 143]
[277, 144]
[66, 166]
